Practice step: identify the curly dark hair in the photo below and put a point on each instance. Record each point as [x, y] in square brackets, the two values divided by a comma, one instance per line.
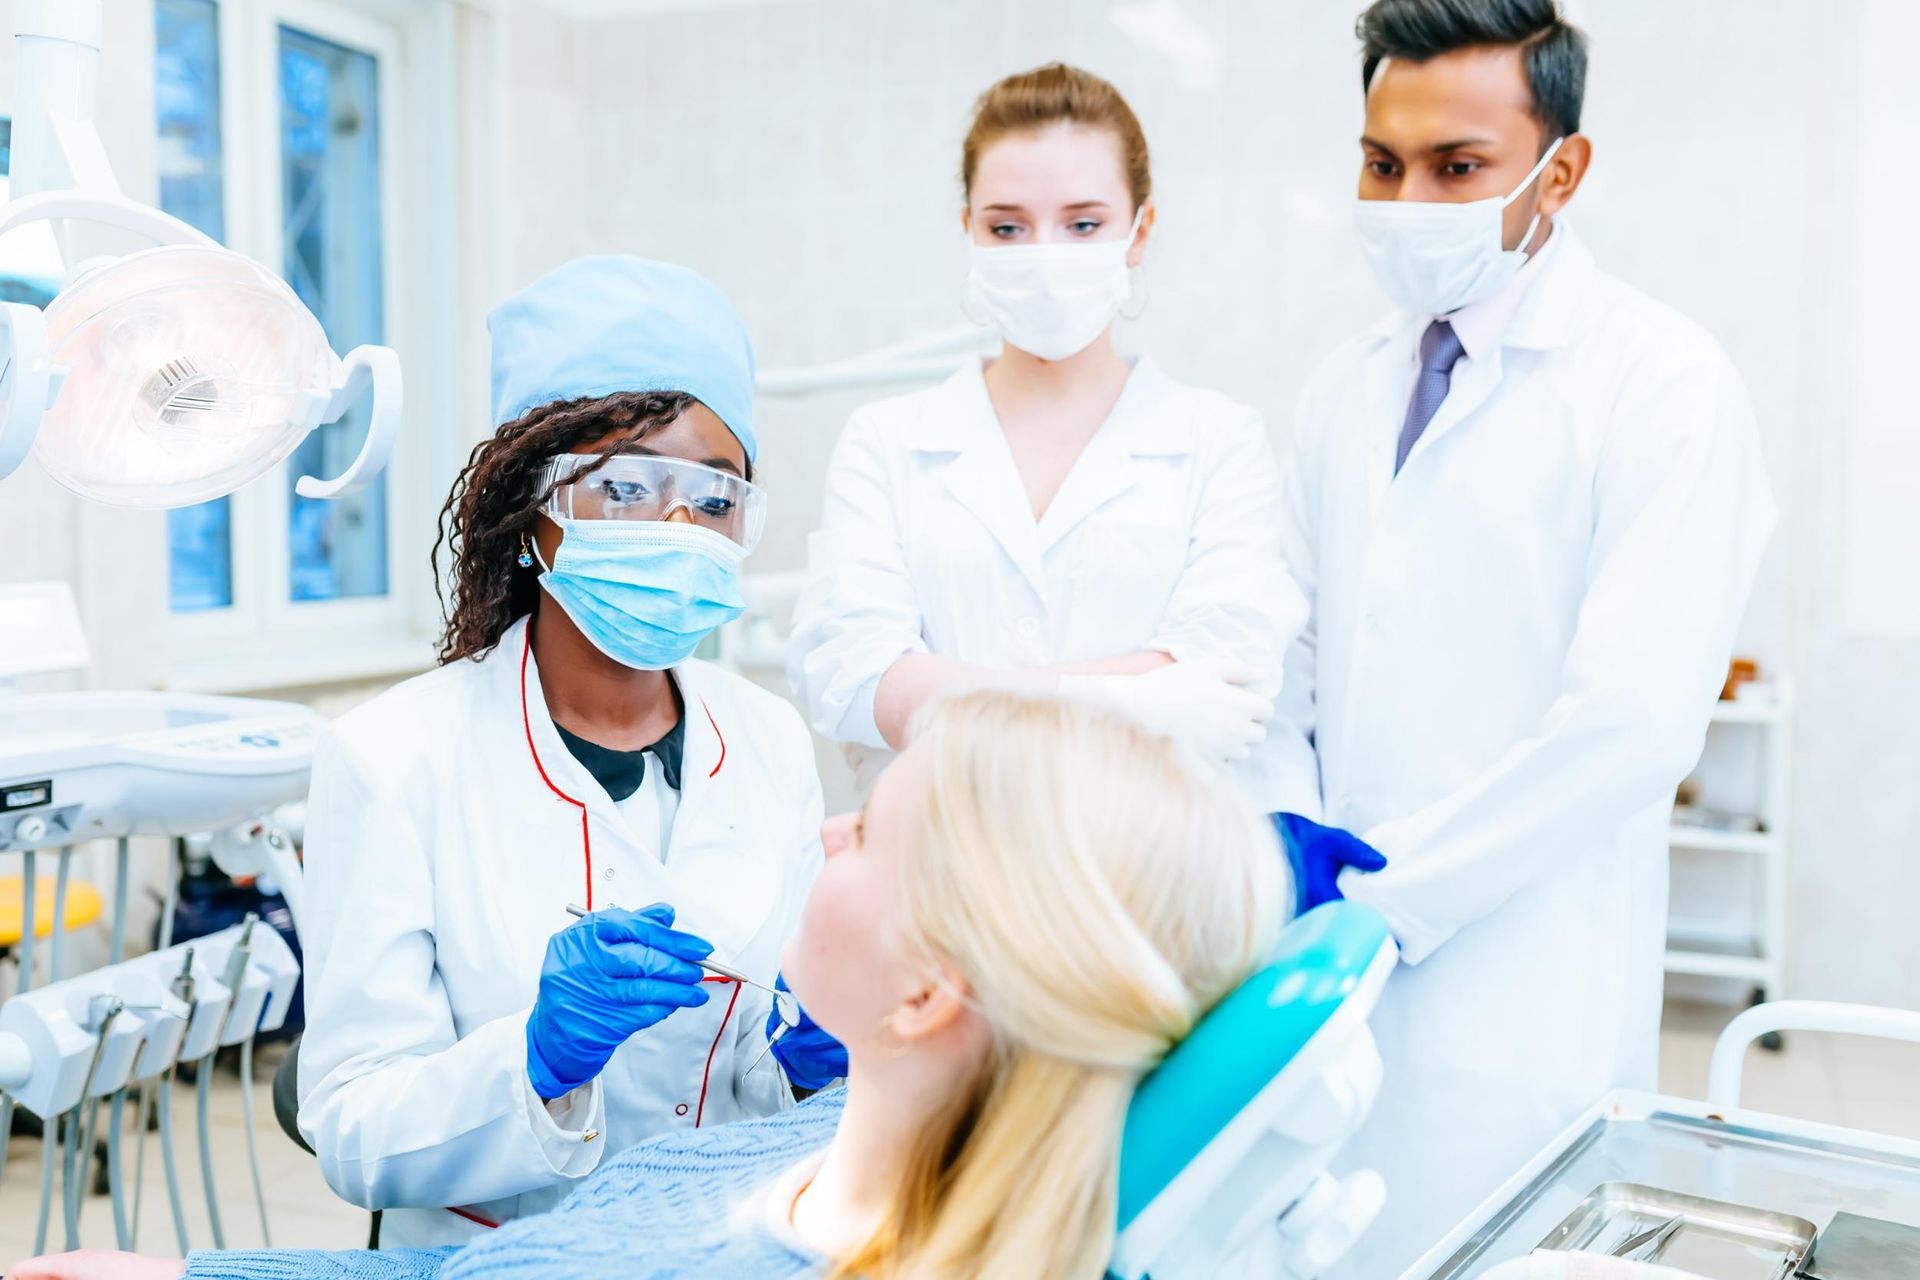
[498, 494]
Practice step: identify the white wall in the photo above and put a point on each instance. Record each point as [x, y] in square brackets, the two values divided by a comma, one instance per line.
[803, 153]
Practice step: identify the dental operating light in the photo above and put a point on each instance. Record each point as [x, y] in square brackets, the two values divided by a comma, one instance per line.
[173, 374]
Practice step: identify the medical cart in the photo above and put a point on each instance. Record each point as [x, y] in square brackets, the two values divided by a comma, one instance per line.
[1754, 1196]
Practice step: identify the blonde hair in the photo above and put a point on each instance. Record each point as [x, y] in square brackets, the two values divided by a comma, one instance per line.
[1100, 890]
[1057, 94]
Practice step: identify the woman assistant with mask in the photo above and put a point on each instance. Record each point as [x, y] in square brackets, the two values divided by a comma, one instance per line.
[1059, 515]
[471, 1050]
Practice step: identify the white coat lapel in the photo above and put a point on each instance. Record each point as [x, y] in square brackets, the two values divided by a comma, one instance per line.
[984, 481]
[565, 776]
[1541, 321]
[1383, 404]
[1106, 468]
[981, 477]
[703, 761]
[716, 862]
[1473, 385]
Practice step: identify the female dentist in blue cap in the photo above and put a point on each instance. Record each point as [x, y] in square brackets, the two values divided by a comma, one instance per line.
[471, 1050]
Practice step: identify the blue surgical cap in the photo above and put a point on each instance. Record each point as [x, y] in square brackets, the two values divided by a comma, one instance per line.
[618, 323]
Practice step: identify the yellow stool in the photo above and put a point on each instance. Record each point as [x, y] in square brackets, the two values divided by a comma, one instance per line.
[83, 907]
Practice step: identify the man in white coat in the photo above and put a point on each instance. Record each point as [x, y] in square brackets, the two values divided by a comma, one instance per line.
[1526, 510]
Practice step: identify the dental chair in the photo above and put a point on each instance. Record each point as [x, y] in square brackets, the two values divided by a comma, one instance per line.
[1223, 1158]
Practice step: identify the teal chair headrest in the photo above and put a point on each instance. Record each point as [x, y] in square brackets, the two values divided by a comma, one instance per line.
[1241, 1045]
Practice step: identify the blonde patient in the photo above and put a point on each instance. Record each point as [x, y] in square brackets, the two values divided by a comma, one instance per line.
[1039, 900]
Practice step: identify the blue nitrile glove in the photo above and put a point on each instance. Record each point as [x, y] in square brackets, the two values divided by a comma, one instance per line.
[612, 974]
[812, 1058]
[1318, 854]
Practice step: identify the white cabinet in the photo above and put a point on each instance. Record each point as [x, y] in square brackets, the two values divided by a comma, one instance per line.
[1727, 916]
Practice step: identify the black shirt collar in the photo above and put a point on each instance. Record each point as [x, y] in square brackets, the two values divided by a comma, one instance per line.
[622, 772]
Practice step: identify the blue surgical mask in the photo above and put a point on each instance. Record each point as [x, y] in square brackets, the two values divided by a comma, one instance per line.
[645, 592]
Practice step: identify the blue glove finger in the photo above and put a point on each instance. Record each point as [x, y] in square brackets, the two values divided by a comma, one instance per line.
[629, 927]
[1332, 843]
[1362, 856]
[812, 1058]
[652, 994]
[631, 961]
[1318, 854]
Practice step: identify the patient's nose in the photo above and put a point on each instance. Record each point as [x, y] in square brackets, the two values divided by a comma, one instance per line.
[836, 833]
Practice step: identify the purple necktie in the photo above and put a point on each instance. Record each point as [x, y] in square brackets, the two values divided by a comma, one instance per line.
[1440, 350]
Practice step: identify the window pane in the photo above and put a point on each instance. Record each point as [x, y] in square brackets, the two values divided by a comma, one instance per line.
[186, 94]
[330, 167]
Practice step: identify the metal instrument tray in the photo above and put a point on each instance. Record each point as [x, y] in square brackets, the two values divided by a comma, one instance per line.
[1714, 1238]
[1860, 1248]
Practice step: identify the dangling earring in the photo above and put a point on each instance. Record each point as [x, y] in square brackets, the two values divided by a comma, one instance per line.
[525, 558]
[1141, 292]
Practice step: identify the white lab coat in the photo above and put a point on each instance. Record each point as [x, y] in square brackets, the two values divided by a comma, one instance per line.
[1514, 650]
[441, 856]
[1161, 537]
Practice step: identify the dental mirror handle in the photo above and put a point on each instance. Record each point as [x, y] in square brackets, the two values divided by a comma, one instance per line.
[712, 966]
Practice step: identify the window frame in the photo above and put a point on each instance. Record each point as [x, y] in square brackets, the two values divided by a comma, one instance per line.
[265, 639]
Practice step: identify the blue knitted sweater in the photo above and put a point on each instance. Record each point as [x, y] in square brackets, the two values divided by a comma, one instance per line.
[680, 1207]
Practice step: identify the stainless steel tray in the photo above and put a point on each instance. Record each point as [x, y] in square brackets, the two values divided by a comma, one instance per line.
[1715, 1239]
[1859, 1248]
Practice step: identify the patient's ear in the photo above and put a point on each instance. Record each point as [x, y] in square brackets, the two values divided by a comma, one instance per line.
[930, 1007]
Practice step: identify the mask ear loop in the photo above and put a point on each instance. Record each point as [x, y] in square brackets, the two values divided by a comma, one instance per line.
[1137, 276]
[1540, 167]
[1138, 282]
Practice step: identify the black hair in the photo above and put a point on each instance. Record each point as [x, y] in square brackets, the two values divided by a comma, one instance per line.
[1553, 50]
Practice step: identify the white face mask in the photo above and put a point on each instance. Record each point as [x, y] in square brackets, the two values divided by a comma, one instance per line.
[1050, 300]
[1434, 258]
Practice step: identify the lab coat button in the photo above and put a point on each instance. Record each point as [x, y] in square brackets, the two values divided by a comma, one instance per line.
[1028, 628]
[680, 1110]
[607, 874]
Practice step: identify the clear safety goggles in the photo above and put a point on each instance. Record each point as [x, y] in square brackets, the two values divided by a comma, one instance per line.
[638, 486]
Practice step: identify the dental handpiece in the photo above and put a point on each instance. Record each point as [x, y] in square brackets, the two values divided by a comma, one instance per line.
[235, 974]
[783, 1002]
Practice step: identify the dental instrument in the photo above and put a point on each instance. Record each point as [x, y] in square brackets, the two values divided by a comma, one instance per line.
[101, 1011]
[67, 1045]
[183, 990]
[231, 978]
[783, 1001]
[784, 1005]
[1647, 1245]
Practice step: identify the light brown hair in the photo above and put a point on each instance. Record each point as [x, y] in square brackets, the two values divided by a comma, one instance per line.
[1056, 94]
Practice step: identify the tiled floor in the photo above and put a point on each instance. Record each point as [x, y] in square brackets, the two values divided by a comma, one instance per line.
[1866, 1084]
